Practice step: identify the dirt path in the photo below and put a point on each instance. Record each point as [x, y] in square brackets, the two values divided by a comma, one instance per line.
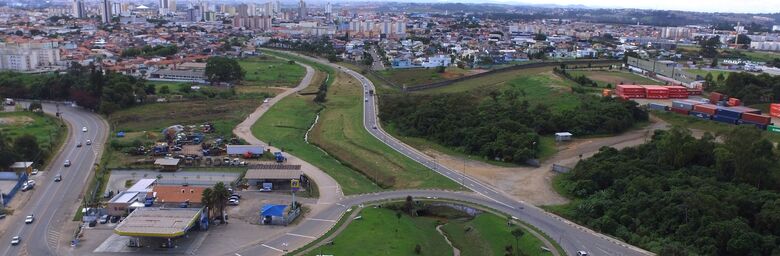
[455, 251]
[534, 185]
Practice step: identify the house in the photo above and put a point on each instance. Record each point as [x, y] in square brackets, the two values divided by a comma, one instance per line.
[119, 205]
[178, 195]
[22, 167]
[167, 164]
[273, 179]
[176, 75]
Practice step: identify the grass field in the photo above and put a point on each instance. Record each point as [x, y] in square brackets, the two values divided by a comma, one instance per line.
[381, 232]
[271, 72]
[381, 86]
[224, 114]
[487, 83]
[602, 78]
[340, 132]
[45, 128]
[285, 125]
[704, 73]
[419, 76]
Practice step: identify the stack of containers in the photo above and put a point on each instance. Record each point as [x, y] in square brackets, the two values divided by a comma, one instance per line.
[630, 91]
[732, 115]
[656, 106]
[677, 92]
[656, 92]
[758, 120]
[683, 106]
[716, 97]
[704, 111]
[734, 102]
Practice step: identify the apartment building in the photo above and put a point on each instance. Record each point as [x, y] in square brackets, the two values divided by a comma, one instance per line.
[27, 57]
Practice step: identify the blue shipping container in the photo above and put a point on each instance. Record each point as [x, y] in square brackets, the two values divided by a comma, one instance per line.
[726, 111]
[656, 106]
[682, 105]
[700, 115]
[746, 123]
[725, 119]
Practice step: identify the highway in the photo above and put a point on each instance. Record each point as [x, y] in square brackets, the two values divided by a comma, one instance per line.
[53, 203]
[570, 236]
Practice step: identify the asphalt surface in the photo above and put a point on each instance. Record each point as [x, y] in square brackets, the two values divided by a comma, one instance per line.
[52, 202]
[570, 236]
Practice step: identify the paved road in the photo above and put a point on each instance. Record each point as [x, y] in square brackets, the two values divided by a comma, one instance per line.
[53, 202]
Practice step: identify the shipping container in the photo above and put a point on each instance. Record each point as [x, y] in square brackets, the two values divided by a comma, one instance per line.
[759, 126]
[746, 109]
[656, 106]
[631, 91]
[694, 91]
[774, 110]
[725, 119]
[656, 92]
[756, 118]
[706, 108]
[733, 102]
[773, 128]
[700, 115]
[679, 111]
[685, 104]
[606, 93]
[716, 97]
[728, 112]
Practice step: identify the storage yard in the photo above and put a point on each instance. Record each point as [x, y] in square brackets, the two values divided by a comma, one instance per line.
[724, 110]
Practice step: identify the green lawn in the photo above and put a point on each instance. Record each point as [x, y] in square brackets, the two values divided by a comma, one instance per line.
[602, 78]
[420, 76]
[381, 232]
[270, 71]
[704, 73]
[487, 83]
[45, 128]
[341, 133]
[285, 125]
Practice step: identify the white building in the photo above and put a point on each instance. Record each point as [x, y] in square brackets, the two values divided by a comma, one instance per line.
[28, 56]
[167, 6]
[78, 9]
[765, 46]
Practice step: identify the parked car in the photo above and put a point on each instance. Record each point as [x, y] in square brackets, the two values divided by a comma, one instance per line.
[233, 202]
[29, 219]
[58, 178]
[67, 163]
[103, 219]
[16, 240]
[78, 145]
[34, 172]
[236, 195]
[84, 129]
[114, 219]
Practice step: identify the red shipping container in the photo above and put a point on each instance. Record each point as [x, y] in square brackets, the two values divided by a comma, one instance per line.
[756, 118]
[715, 97]
[706, 108]
[680, 111]
[734, 102]
[677, 89]
[774, 110]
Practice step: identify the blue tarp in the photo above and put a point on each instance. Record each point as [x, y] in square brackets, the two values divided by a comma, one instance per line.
[273, 210]
[8, 176]
[120, 134]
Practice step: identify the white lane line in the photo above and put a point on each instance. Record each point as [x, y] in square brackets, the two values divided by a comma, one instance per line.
[272, 248]
[309, 237]
[321, 220]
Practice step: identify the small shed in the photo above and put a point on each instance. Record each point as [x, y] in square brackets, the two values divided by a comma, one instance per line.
[278, 179]
[167, 164]
[563, 136]
[22, 167]
[273, 214]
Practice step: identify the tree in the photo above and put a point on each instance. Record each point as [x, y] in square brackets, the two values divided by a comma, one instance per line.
[165, 89]
[517, 234]
[440, 69]
[220, 196]
[223, 69]
[409, 205]
[709, 47]
[417, 249]
[742, 39]
[207, 201]
[26, 146]
[540, 37]
[714, 63]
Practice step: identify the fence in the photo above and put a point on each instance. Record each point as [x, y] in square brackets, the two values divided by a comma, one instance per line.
[7, 196]
[511, 68]
[275, 166]
[666, 69]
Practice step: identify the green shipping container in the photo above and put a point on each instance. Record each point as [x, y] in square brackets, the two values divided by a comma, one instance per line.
[773, 128]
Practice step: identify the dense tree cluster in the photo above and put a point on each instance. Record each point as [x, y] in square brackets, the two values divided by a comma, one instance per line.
[21, 148]
[89, 87]
[149, 51]
[709, 47]
[503, 126]
[678, 195]
[223, 69]
[750, 88]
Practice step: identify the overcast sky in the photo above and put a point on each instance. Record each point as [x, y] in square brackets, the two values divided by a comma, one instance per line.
[742, 6]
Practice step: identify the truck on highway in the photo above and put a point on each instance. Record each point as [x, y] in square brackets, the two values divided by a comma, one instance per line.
[371, 92]
[279, 157]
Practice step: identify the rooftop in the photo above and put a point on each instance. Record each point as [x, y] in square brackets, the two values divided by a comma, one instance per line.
[21, 165]
[178, 194]
[272, 174]
[158, 222]
[143, 185]
[167, 161]
[124, 197]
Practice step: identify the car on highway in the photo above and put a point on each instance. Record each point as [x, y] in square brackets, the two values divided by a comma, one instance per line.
[89, 142]
[582, 253]
[366, 99]
[84, 129]
[16, 240]
[374, 127]
[58, 178]
[29, 219]
[78, 145]
[67, 163]
[266, 100]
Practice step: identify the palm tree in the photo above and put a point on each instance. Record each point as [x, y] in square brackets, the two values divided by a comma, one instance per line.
[517, 233]
[220, 195]
[206, 200]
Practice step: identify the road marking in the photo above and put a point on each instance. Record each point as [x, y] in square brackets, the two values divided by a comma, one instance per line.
[272, 248]
[341, 205]
[321, 220]
[309, 237]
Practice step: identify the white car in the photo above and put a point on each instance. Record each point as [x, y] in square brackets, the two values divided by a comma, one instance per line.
[16, 240]
[34, 172]
[67, 163]
[89, 142]
[233, 201]
[30, 218]
[582, 253]
[84, 129]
